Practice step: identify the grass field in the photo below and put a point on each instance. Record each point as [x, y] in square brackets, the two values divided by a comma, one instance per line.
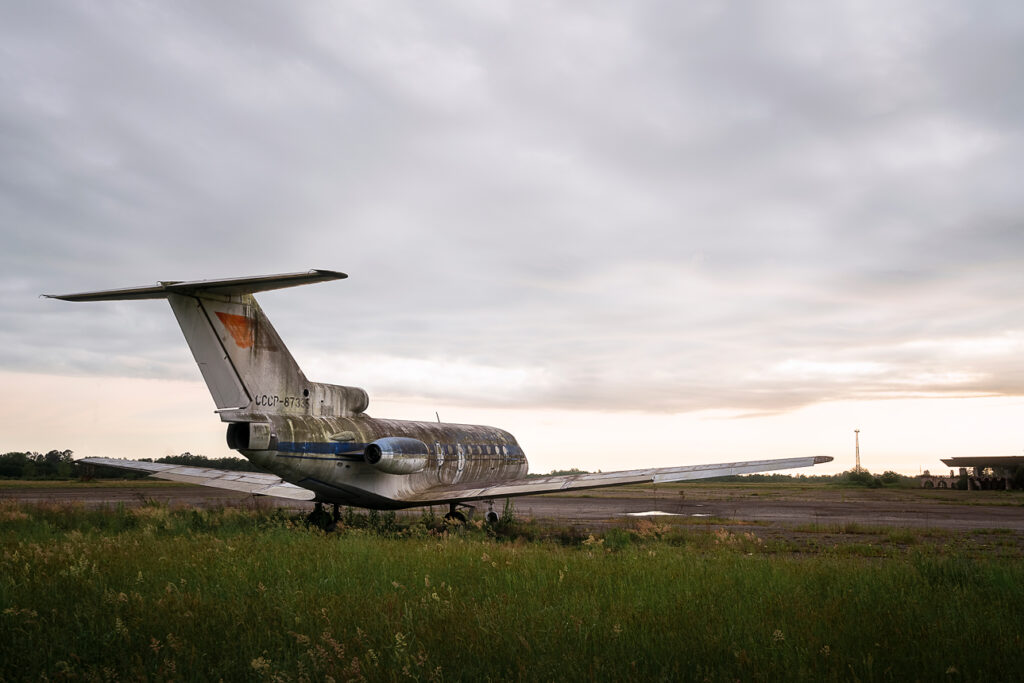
[158, 593]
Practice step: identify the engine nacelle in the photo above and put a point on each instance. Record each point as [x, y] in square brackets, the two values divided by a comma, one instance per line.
[397, 455]
[249, 436]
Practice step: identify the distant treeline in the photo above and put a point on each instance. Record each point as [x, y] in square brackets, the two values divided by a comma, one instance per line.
[61, 465]
[52, 465]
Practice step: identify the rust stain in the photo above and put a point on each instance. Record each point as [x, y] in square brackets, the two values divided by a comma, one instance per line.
[240, 327]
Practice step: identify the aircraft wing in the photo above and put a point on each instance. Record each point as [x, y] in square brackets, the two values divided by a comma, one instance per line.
[657, 475]
[250, 482]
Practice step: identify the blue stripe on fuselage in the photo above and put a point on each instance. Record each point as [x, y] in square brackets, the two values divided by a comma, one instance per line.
[320, 447]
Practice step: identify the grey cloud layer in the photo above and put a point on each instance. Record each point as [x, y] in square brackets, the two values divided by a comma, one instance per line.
[665, 207]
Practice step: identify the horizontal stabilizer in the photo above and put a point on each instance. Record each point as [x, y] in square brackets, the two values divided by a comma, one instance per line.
[228, 287]
[250, 482]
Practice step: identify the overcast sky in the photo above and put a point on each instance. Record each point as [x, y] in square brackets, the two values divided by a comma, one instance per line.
[628, 209]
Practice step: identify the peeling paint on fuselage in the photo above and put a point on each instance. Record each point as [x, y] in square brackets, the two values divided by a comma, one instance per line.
[302, 452]
[319, 430]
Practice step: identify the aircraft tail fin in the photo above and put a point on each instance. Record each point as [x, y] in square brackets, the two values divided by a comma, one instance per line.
[244, 362]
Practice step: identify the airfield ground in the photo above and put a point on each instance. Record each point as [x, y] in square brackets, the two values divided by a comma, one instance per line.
[737, 582]
[764, 504]
[796, 515]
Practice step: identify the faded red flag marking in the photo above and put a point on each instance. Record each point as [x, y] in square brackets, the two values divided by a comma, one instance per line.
[240, 328]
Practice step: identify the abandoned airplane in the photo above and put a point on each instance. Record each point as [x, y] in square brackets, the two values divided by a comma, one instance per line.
[315, 440]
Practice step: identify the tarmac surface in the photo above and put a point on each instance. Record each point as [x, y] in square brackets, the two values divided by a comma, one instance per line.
[761, 503]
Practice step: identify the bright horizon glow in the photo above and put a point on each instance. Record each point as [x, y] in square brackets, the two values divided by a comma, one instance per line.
[151, 418]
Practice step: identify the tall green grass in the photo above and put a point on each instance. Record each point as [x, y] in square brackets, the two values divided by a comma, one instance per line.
[154, 593]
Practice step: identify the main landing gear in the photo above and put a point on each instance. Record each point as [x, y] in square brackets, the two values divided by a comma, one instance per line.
[322, 519]
[454, 515]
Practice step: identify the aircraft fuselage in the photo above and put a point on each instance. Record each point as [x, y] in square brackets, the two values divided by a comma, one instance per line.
[328, 455]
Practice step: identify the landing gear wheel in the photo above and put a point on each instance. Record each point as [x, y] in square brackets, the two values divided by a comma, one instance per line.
[491, 517]
[454, 515]
[320, 518]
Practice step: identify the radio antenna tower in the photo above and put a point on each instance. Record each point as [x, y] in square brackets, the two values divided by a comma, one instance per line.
[856, 437]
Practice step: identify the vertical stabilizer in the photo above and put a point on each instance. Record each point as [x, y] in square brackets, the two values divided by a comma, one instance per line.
[246, 366]
[243, 360]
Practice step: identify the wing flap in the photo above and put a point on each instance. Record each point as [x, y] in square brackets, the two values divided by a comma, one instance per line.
[572, 482]
[248, 482]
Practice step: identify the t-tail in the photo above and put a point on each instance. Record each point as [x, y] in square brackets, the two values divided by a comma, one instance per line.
[247, 367]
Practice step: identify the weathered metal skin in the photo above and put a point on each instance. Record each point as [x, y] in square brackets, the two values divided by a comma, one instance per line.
[312, 434]
[247, 367]
[318, 431]
[302, 452]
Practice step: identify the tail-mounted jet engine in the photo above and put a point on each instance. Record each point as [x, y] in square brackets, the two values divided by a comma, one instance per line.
[397, 455]
[249, 436]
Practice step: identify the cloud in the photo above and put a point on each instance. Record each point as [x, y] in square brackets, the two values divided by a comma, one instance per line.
[646, 208]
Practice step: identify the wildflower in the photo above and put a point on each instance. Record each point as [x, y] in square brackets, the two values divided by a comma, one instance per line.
[261, 664]
[777, 636]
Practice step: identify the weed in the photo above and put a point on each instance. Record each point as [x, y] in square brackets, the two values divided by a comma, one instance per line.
[156, 593]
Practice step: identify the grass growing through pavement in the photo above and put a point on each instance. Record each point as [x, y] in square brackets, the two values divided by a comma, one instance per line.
[157, 593]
